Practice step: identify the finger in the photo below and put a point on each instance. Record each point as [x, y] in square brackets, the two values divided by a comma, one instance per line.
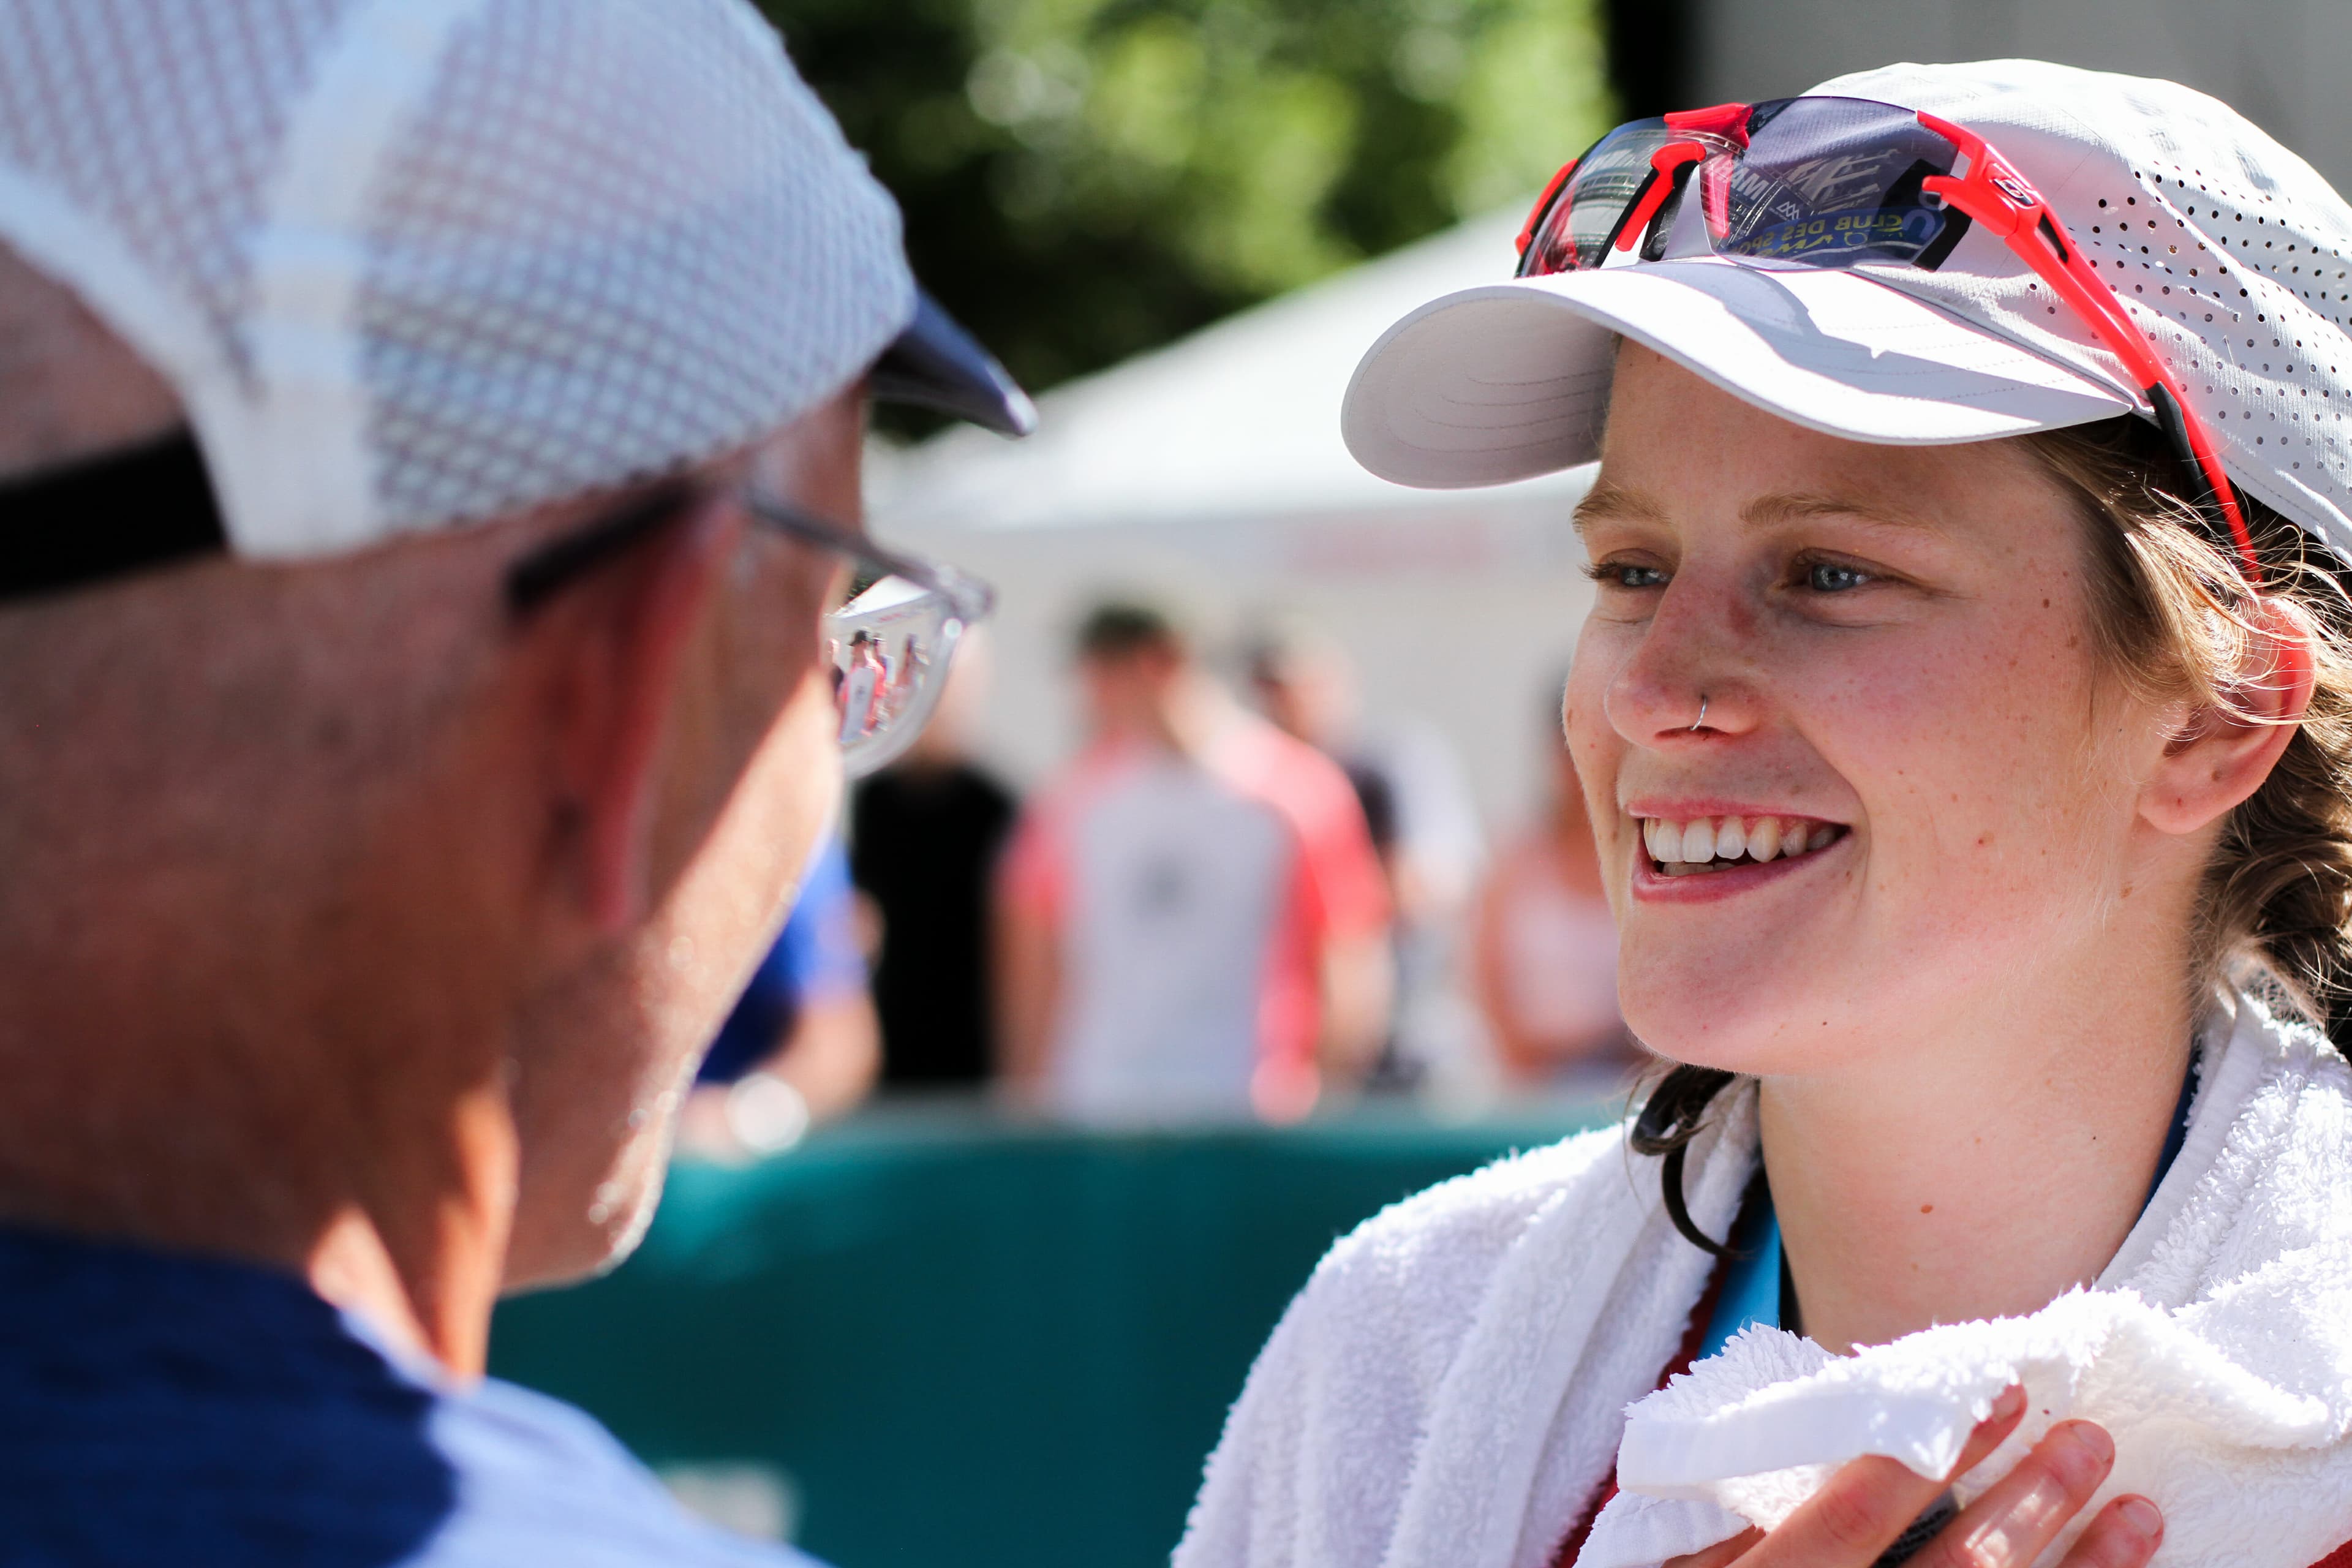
[1726, 1551]
[2125, 1534]
[2006, 1411]
[1855, 1516]
[1869, 1502]
[2024, 1511]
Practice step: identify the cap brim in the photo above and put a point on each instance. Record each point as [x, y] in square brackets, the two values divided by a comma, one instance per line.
[936, 364]
[1511, 380]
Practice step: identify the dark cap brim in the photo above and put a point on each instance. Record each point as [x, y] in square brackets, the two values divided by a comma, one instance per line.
[936, 364]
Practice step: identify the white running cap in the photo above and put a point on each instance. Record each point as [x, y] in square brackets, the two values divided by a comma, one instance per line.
[410, 263]
[2231, 252]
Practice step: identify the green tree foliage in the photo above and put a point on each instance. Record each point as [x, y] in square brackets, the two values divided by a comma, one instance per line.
[1083, 179]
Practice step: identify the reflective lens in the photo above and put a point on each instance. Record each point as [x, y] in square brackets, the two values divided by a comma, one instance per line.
[1822, 182]
[890, 644]
[1835, 181]
[1574, 235]
[888, 634]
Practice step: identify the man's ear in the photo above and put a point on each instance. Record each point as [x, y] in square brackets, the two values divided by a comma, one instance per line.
[2225, 757]
[614, 647]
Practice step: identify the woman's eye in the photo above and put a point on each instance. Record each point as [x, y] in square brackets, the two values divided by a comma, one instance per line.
[1625, 574]
[1829, 578]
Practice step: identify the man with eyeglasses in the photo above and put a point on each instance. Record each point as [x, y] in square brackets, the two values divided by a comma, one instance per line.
[429, 444]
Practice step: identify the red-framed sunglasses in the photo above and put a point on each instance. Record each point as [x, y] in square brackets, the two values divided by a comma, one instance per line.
[1841, 182]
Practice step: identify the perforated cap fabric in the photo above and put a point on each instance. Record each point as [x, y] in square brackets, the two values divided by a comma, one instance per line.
[2230, 253]
[412, 263]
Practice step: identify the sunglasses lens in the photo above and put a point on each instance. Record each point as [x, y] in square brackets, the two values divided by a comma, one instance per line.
[1574, 235]
[1823, 182]
[889, 645]
[1836, 182]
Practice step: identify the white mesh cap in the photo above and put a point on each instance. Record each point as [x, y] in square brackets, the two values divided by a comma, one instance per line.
[410, 263]
[2232, 255]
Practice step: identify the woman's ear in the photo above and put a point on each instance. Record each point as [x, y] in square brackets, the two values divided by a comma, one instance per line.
[614, 649]
[2225, 757]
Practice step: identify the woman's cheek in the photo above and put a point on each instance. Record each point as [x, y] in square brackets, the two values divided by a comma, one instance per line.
[1602, 650]
[1596, 778]
[1982, 809]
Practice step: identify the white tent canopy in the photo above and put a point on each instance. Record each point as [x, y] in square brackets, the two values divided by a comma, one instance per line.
[1210, 474]
[1240, 419]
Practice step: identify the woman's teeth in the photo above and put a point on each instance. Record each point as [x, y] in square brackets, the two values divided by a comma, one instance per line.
[1719, 843]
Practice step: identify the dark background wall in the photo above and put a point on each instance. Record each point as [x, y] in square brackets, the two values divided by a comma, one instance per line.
[2284, 64]
[1650, 50]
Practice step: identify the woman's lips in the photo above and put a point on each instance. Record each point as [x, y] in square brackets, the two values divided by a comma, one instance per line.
[1694, 844]
[1716, 855]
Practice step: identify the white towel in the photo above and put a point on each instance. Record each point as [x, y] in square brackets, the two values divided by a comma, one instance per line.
[1451, 1388]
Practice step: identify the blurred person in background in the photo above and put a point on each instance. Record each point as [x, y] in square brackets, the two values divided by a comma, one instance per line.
[865, 684]
[1306, 684]
[1423, 824]
[430, 469]
[1194, 923]
[803, 1045]
[1545, 946]
[925, 834]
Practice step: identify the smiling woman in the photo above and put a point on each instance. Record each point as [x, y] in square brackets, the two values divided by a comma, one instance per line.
[1966, 722]
[2160, 635]
[2010, 725]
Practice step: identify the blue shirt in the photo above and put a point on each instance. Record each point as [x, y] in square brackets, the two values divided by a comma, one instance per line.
[815, 959]
[164, 1409]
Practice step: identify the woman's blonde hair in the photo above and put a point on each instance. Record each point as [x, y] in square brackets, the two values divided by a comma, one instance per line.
[2174, 622]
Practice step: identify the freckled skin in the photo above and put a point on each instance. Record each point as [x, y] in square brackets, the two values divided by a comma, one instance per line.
[1970, 1011]
[1942, 699]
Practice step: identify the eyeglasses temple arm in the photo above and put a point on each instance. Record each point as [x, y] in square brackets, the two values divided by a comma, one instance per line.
[971, 598]
[533, 580]
[2191, 441]
[1996, 195]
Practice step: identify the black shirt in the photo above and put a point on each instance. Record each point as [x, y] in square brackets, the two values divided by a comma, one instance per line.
[923, 845]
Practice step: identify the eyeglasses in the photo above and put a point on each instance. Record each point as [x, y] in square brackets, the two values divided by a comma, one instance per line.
[889, 631]
[1845, 182]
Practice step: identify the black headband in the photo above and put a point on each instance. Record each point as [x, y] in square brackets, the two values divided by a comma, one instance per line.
[106, 517]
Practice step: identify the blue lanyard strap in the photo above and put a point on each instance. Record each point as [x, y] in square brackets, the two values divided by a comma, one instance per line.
[1752, 1275]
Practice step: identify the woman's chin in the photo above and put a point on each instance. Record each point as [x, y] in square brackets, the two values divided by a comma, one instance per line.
[1737, 1023]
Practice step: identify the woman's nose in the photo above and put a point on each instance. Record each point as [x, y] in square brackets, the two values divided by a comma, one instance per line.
[1684, 679]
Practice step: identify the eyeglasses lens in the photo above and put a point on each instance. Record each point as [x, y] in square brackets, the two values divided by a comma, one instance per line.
[889, 643]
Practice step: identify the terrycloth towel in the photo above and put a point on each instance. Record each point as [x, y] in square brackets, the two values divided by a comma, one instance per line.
[1451, 1388]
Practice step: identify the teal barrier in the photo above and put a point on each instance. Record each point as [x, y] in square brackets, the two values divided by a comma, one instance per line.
[968, 1345]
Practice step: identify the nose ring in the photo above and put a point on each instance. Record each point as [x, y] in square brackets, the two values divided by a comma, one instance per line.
[1700, 721]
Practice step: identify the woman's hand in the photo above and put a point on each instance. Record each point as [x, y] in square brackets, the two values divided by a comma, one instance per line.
[1870, 1502]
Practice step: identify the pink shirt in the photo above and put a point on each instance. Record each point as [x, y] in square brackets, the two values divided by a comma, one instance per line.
[1195, 899]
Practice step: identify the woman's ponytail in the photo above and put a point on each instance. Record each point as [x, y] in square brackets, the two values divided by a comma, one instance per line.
[1669, 1119]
